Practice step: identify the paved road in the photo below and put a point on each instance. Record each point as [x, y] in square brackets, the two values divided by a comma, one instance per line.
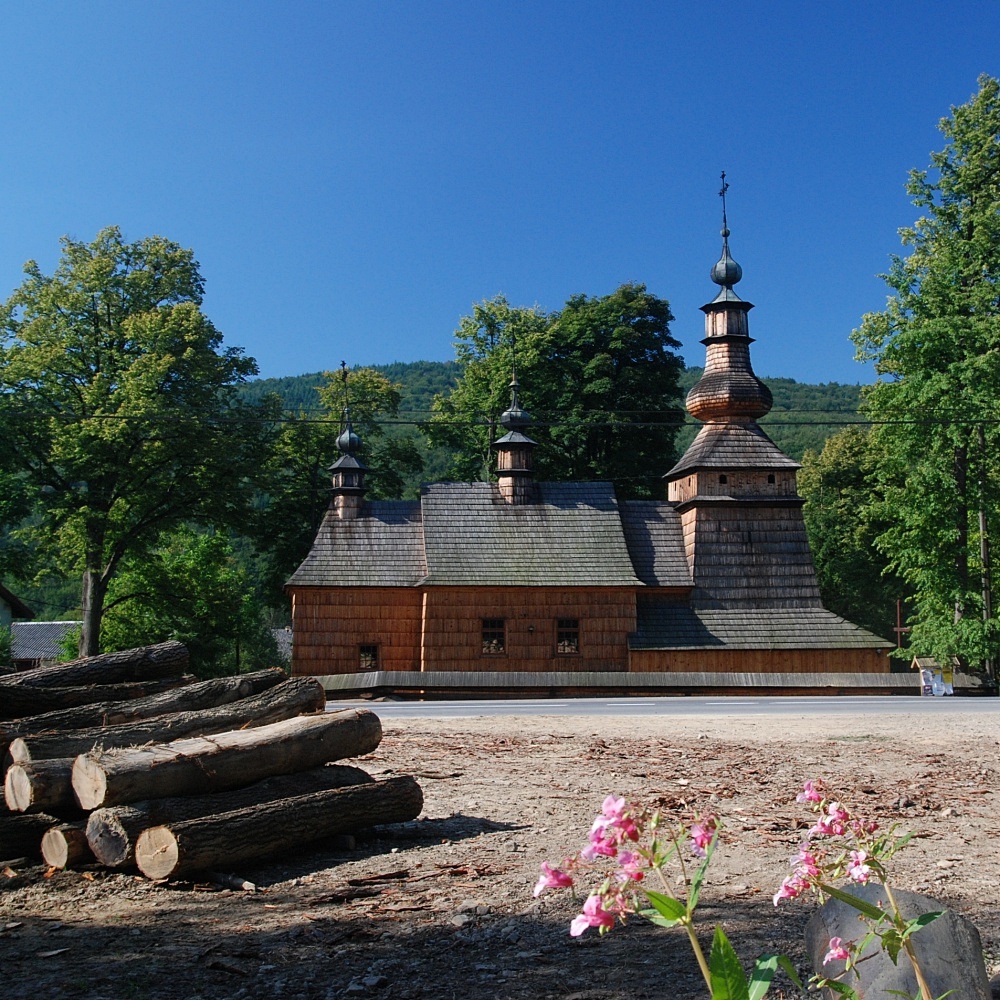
[676, 706]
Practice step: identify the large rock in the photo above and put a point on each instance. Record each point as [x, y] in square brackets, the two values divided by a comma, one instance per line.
[949, 949]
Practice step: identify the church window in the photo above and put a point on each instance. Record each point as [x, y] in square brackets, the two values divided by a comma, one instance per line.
[368, 658]
[723, 480]
[770, 478]
[494, 635]
[567, 635]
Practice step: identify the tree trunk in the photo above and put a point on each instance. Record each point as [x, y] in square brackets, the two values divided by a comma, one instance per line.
[18, 702]
[288, 699]
[21, 836]
[228, 760]
[261, 831]
[65, 846]
[165, 659]
[45, 785]
[204, 694]
[112, 833]
[92, 605]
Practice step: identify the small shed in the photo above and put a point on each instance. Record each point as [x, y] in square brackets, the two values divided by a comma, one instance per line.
[36, 644]
[12, 607]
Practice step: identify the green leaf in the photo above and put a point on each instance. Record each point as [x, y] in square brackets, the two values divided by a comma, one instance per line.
[912, 926]
[841, 989]
[667, 906]
[699, 875]
[729, 982]
[860, 905]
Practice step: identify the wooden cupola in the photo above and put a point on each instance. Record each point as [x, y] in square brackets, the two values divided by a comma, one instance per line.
[515, 461]
[348, 474]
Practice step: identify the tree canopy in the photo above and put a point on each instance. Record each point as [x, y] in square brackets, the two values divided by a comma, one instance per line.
[600, 378]
[119, 402]
[936, 349]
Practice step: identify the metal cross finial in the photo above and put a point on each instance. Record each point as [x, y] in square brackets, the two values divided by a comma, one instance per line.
[722, 195]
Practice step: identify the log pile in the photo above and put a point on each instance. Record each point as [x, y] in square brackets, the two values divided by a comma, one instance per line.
[125, 761]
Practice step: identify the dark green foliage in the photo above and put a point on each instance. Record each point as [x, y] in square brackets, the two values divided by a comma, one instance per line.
[936, 349]
[854, 576]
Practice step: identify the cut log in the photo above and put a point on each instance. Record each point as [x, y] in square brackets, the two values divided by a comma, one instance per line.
[204, 694]
[165, 659]
[224, 761]
[41, 786]
[21, 836]
[297, 696]
[65, 846]
[17, 702]
[112, 832]
[263, 831]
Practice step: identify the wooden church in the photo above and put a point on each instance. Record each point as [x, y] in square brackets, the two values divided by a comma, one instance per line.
[521, 587]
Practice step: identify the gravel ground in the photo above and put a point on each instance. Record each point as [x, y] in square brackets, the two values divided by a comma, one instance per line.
[442, 907]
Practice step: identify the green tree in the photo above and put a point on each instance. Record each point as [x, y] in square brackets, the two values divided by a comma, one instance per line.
[189, 587]
[600, 377]
[936, 349]
[854, 576]
[121, 407]
[297, 479]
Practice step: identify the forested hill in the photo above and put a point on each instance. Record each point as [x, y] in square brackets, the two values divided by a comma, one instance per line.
[803, 417]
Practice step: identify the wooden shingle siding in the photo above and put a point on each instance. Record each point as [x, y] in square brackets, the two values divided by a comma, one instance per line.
[332, 624]
[761, 661]
[452, 637]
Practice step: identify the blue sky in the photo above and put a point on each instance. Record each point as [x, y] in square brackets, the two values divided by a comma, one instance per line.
[354, 176]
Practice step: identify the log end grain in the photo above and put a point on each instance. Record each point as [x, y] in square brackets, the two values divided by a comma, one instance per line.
[89, 782]
[157, 852]
[18, 751]
[65, 846]
[17, 789]
[108, 839]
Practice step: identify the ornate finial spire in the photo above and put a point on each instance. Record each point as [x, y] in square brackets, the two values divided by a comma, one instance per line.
[348, 472]
[348, 442]
[514, 418]
[726, 272]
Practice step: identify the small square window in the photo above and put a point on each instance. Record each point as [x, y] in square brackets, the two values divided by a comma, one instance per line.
[723, 480]
[494, 635]
[770, 478]
[368, 658]
[567, 635]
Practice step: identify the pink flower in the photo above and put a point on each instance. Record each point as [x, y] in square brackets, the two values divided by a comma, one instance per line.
[594, 915]
[602, 840]
[833, 823]
[793, 885]
[614, 807]
[701, 836]
[812, 791]
[857, 870]
[837, 953]
[630, 867]
[805, 863]
[552, 878]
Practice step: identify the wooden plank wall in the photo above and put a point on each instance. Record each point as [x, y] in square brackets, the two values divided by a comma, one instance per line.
[453, 616]
[760, 661]
[330, 624]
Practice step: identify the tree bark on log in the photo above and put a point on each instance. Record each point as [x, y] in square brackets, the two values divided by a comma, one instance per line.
[41, 786]
[165, 659]
[261, 831]
[224, 761]
[17, 702]
[201, 695]
[21, 835]
[297, 696]
[65, 846]
[112, 833]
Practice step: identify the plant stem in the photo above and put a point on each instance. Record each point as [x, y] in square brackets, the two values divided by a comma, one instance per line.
[925, 990]
[698, 954]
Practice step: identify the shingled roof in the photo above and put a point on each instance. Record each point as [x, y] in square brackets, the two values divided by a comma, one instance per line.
[655, 542]
[664, 625]
[383, 547]
[571, 537]
[732, 446]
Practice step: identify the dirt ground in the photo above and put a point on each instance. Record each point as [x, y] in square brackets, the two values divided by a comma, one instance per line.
[442, 907]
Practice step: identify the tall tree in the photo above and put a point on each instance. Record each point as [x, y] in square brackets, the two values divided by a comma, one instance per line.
[936, 349]
[121, 406]
[296, 481]
[600, 377]
[838, 487]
